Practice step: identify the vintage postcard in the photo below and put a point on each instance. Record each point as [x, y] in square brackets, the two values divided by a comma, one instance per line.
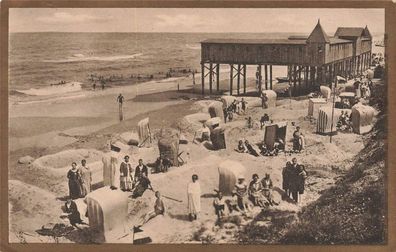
[252, 126]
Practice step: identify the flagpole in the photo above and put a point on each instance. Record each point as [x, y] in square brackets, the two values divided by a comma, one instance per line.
[332, 111]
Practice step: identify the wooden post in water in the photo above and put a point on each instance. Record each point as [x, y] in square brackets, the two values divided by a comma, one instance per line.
[294, 79]
[266, 76]
[238, 78]
[217, 77]
[259, 80]
[305, 78]
[203, 77]
[270, 78]
[231, 77]
[210, 78]
[299, 78]
[244, 79]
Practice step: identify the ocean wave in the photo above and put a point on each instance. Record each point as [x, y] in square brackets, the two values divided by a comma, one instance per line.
[193, 46]
[53, 90]
[82, 58]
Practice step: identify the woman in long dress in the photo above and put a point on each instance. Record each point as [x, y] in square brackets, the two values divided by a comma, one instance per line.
[194, 198]
[74, 182]
[86, 178]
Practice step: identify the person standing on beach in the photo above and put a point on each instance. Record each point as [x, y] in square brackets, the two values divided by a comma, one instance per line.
[120, 100]
[140, 171]
[243, 102]
[193, 77]
[102, 82]
[74, 182]
[264, 101]
[86, 178]
[126, 175]
[194, 198]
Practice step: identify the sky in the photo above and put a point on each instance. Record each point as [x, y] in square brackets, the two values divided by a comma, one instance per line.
[192, 19]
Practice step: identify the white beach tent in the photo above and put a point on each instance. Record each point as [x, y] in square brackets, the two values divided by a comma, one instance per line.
[216, 109]
[227, 100]
[271, 98]
[313, 106]
[143, 129]
[107, 214]
[325, 91]
[228, 174]
[362, 118]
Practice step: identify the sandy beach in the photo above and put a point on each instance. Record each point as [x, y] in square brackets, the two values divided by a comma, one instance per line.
[88, 121]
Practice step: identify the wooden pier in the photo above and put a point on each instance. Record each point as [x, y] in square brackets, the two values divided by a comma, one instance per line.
[312, 60]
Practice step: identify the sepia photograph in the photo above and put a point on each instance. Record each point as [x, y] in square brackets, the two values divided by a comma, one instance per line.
[249, 126]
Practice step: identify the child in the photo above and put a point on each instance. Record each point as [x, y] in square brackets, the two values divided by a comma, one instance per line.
[219, 205]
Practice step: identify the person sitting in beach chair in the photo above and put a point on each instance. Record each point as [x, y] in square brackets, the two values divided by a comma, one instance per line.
[241, 148]
[205, 133]
[264, 119]
[279, 145]
[230, 115]
[162, 164]
[263, 149]
[298, 140]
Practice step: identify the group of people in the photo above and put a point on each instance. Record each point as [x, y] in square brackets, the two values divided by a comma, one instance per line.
[134, 180]
[279, 146]
[363, 87]
[260, 192]
[293, 177]
[344, 121]
[80, 180]
[235, 107]
[246, 147]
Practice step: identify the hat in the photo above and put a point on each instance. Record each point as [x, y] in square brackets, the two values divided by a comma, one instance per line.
[240, 176]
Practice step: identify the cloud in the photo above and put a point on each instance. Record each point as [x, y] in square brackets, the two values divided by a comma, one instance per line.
[68, 18]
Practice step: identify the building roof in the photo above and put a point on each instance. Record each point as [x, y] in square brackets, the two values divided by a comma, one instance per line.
[366, 33]
[318, 35]
[255, 41]
[349, 32]
[334, 40]
[298, 37]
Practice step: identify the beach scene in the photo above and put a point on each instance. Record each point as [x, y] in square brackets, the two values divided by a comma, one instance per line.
[118, 86]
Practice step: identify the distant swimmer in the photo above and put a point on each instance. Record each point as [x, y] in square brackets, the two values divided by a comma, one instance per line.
[120, 100]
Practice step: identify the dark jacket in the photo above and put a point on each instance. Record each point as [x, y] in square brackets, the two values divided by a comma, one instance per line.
[74, 216]
[139, 172]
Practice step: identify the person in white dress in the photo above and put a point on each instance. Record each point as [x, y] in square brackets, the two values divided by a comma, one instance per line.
[194, 198]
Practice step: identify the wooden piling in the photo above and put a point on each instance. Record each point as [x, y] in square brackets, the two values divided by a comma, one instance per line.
[231, 77]
[203, 77]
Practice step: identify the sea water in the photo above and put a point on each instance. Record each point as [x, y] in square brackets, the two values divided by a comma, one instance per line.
[37, 60]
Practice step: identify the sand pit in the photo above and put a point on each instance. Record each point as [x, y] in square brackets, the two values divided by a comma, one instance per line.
[58, 164]
[202, 105]
[128, 136]
[192, 123]
[32, 207]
